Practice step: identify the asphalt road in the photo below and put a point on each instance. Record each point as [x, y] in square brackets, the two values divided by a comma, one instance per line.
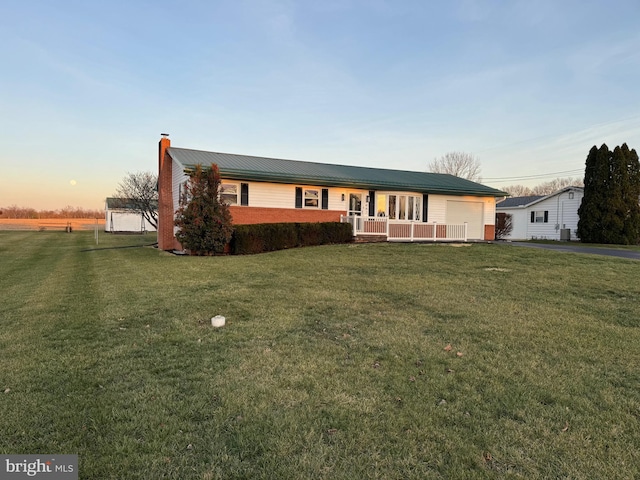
[574, 248]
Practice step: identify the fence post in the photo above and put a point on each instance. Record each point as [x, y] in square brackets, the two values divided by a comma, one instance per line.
[435, 230]
[465, 231]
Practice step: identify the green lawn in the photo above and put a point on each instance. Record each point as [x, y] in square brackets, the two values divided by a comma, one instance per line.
[333, 363]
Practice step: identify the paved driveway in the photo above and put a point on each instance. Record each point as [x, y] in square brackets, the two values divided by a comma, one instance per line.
[576, 248]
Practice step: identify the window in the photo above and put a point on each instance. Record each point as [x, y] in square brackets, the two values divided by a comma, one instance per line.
[182, 193]
[325, 199]
[229, 193]
[381, 203]
[312, 198]
[392, 207]
[244, 194]
[399, 207]
[540, 216]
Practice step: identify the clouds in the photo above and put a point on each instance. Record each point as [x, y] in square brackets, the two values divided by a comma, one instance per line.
[522, 84]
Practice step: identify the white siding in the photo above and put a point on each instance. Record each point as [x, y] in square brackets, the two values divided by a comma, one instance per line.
[123, 221]
[519, 220]
[437, 208]
[278, 195]
[178, 177]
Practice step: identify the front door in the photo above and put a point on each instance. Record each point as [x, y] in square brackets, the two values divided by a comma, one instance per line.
[355, 204]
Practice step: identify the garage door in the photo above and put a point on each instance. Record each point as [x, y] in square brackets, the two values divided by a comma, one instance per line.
[470, 212]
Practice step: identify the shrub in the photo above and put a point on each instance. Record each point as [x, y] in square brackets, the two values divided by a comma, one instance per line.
[204, 223]
[268, 237]
[504, 225]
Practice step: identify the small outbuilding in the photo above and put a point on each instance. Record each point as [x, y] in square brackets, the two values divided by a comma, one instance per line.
[122, 216]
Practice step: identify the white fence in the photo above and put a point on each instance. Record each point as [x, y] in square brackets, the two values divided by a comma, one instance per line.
[405, 230]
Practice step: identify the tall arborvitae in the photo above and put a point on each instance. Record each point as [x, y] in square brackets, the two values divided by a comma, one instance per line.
[204, 223]
[610, 209]
[631, 196]
[590, 224]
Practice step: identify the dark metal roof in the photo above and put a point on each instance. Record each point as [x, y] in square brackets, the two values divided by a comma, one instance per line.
[513, 202]
[244, 167]
[125, 204]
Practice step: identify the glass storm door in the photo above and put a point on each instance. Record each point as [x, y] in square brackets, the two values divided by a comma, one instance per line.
[355, 204]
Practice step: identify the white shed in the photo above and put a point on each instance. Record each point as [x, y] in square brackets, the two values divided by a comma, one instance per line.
[546, 217]
[122, 217]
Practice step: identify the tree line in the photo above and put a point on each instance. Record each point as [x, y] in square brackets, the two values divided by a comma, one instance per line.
[14, 211]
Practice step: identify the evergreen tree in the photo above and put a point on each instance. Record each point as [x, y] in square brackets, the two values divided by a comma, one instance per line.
[590, 223]
[204, 223]
[631, 195]
[610, 209]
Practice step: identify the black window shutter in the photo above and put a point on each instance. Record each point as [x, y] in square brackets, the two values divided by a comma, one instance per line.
[372, 203]
[298, 197]
[244, 194]
[546, 216]
[325, 199]
[533, 217]
[425, 207]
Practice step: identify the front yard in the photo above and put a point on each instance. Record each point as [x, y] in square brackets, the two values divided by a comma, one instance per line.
[338, 362]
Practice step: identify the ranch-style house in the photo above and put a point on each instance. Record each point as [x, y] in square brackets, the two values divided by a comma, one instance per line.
[390, 204]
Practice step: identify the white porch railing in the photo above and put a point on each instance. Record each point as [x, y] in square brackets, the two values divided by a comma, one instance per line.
[406, 230]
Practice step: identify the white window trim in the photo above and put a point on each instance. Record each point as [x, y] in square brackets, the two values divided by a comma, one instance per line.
[237, 194]
[417, 205]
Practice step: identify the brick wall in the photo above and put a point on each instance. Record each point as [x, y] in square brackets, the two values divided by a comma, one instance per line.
[166, 240]
[489, 232]
[251, 215]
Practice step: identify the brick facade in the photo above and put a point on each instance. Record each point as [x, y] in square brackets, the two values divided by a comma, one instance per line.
[489, 232]
[251, 215]
[166, 239]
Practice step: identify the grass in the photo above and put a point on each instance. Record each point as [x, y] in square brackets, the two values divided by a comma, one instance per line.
[333, 363]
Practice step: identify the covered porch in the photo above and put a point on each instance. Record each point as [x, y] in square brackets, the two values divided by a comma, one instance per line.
[405, 230]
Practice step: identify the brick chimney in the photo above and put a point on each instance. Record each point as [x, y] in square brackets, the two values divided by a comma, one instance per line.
[165, 196]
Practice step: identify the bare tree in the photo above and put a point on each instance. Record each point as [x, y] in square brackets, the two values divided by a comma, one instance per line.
[460, 164]
[547, 188]
[518, 190]
[139, 192]
[504, 225]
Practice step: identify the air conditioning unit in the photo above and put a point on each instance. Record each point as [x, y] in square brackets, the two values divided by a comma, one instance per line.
[565, 234]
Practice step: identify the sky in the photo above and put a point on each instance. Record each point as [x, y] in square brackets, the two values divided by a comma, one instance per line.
[528, 87]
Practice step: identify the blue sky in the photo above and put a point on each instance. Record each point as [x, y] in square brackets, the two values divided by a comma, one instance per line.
[526, 86]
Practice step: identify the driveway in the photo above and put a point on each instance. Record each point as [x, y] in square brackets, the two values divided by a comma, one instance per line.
[576, 248]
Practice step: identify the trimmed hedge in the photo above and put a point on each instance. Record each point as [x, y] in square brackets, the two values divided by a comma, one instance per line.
[268, 237]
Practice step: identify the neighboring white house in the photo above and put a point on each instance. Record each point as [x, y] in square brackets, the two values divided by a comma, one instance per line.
[121, 217]
[546, 217]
